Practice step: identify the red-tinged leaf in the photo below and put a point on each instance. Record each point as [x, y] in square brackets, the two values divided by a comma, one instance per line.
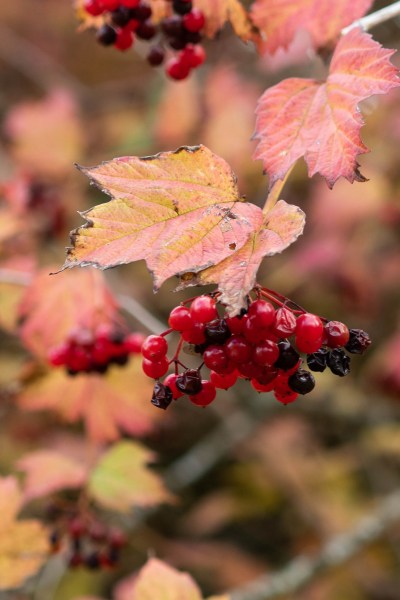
[122, 480]
[46, 136]
[219, 12]
[158, 580]
[48, 471]
[322, 121]
[280, 20]
[177, 210]
[23, 544]
[54, 306]
[119, 400]
[236, 275]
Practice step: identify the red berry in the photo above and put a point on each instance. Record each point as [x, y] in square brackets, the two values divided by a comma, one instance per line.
[170, 381]
[215, 358]
[180, 319]
[284, 324]
[235, 324]
[263, 312]
[193, 56]
[133, 343]
[155, 369]
[337, 334]
[203, 309]
[309, 326]
[238, 349]
[206, 394]
[124, 39]
[249, 370]
[177, 70]
[59, 355]
[253, 331]
[308, 346]
[286, 397]
[195, 335]
[93, 7]
[224, 381]
[154, 347]
[266, 353]
[79, 359]
[76, 527]
[129, 3]
[109, 4]
[194, 20]
[262, 387]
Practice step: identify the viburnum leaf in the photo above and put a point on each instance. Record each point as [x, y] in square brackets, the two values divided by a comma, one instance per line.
[48, 471]
[122, 480]
[236, 275]
[118, 400]
[219, 12]
[158, 580]
[322, 121]
[280, 20]
[53, 306]
[23, 544]
[180, 211]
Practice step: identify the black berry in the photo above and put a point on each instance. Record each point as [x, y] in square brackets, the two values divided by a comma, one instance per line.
[317, 360]
[217, 331]
[162, 396]
[339, 362]
[301, 382]
[121, 16]
[156, 56]
[106, 35]
[358, 342]
[288, 357]
[181, 7]
[189, 382]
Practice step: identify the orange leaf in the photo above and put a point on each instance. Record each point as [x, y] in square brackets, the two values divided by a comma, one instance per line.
[280, 20]
[177, 210]
[218, 12]
[121, 479]
[158, 580]
[49, 471]
[119, 399]
[53, 306]
[236, 275]
[23, 544]
[321, 121]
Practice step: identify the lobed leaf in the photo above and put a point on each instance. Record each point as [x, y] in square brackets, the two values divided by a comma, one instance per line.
[180, 211]
[107, 403]
[322, 121]
[236, 275]
[219, 12]
[23, 544]
[49, 471]
[121, 480]
[280, 20]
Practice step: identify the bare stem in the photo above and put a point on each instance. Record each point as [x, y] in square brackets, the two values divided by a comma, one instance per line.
[376, 18]
[336, 552]
[274, 193]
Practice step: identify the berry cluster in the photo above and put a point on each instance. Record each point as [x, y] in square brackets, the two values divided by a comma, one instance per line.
[87, 542]
[263, 344]
[87, 351]
[180, 32]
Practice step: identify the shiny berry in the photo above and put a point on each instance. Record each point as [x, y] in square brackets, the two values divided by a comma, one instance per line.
[194, 20]
[124, 39]
[162, 396]
[263, 313]
[286, 396]
[217, 331]
[154, 347]
[215, 358]
[180, 319]
[93, 7]
[106, 35]
[195, 335]
[265, 353]
[224, 381]
[238, 349]
[189, 382]
[288, 357]
[155, 369]
[206, 394]
[203, 309]
[301, 381]
[170, 381]
[337, 334]
[284, 324]
[317, 360]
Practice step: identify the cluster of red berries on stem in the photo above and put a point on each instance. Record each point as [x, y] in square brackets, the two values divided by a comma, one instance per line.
[87, 351]
[263, 344]
[180, 32]
[87, 542]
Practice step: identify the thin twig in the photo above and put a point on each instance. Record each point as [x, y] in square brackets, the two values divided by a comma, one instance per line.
[336, 552]
[376, 18]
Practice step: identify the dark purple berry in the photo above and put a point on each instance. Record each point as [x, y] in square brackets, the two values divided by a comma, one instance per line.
[359, 341]
[141, 12]
[181, 7]
[106, 35]
[288, 357]
[193, 37]
[301, 382]
[177, 43]
[217, 331]
[172, 26]
[339, 362]
[317, 360]
[189, 382]
[121, 16]
[146, 30]
[156, 56]
[162, 396]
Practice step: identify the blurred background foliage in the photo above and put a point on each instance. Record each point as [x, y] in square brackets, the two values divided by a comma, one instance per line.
[259, 483]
